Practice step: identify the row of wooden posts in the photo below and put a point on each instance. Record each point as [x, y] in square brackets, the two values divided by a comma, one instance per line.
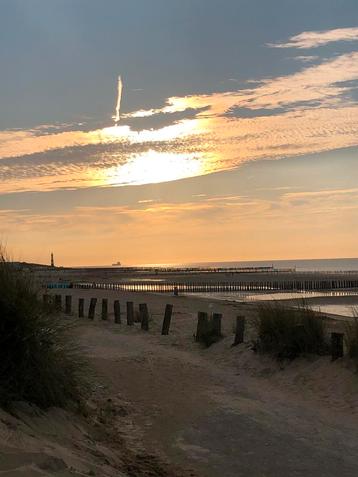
[205, 324]
[211, 325]
[143, 317]
[259, 284]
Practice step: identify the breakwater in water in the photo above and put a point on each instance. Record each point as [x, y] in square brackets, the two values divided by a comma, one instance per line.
[256, 283]
[194, 280]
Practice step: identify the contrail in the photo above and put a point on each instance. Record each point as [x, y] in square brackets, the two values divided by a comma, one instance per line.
[119, 97]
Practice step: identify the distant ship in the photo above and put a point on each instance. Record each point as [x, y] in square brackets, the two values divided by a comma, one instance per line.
[117, 264]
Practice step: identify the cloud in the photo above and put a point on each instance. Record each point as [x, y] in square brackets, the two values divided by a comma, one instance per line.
[314, 83]
[144, 216]
[306, 58]
[309, 111]
[314, 39]
[116, 116]
[324, 201]
[318, 194]
[154, 218]
[312, 223]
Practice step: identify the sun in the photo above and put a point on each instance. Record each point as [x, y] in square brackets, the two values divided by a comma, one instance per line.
[153, 167]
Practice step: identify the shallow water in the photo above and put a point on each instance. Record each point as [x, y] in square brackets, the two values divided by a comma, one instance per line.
[343, 309]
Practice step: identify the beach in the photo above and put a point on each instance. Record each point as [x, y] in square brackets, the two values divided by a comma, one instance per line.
[170, 407]
[178, 250]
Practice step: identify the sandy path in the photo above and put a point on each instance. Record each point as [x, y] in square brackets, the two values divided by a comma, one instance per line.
[216, 421]
[224, 411]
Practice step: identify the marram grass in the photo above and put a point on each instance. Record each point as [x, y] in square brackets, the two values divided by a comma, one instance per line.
[351, 337]
[287, 333]
[39, 361]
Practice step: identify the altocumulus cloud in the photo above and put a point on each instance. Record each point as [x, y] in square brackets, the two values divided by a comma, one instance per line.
[309, 111]
[314, 39]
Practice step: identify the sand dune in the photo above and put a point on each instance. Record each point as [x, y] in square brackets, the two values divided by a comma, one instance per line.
[164, 406]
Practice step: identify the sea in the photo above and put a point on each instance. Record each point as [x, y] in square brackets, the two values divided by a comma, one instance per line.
[350, 308]
[314, 265]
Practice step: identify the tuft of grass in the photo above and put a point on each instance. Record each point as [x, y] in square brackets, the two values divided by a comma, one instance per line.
[287, 333]
[136, 316]
[351, 337]
[39, 361]
[209, 335]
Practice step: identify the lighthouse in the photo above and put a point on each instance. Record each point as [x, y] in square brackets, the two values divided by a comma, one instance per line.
[52, 261]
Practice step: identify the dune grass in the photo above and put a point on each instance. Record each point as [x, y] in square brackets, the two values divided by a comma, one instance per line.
[351, 337]
[39, 361]
[208, 334]
[287, 333]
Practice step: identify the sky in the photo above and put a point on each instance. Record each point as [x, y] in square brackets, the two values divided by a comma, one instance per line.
[231, 135]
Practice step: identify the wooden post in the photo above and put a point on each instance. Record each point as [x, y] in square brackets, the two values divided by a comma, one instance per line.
[68, 304]
[104, 314]
[202, 326]
[130, 313]
[337, 345]
[144, 316]
[92, 308]
[240, 330]
[81, 306]
[217, 324]
[167, 319]
[58, 302]
[117, 311]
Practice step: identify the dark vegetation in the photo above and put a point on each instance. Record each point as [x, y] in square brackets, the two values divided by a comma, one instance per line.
[351, 338]
[209, 338]
[288, 333]
[39, 362]
[208, 332]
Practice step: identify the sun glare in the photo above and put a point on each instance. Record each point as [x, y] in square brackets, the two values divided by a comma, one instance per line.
[154, 167]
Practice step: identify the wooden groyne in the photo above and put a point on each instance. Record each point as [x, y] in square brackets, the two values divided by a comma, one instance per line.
[288, 285]
[175, 270]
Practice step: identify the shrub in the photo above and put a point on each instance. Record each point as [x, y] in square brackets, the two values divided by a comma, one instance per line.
[351, 337]
[288, 332]
[39, 361]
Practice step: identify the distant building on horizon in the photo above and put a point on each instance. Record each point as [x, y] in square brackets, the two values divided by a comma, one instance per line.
[52, 261]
